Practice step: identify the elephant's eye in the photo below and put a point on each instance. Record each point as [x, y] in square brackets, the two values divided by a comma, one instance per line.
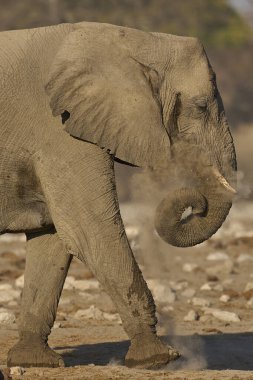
[202, 106]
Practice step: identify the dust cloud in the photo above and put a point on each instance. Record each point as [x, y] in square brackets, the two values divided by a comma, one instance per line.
[145, 190]
[243, 139]
[192, 351]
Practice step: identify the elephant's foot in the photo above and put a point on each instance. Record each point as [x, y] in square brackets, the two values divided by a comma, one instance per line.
[149, 352]
[33, 354]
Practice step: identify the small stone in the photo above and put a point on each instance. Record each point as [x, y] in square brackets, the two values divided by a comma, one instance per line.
[204, 318]
[196, 301]
[134, 244]
[90, 298]
[19, 282]
[5, 286]
[69, 283]
[12, 303]
[94, 313]
[224, 298]
[91, 313]
[11, 238]
[191, 316]
[61, 316]
[64, 301]
[162, 293]
[86, 284]
[250, 303]
[227, 281]
[244, 257]
[57, 325]
[218, 288]
[248, 295]
[209, 310]
[217, 256]
[226, 316]
[225, 268]
[8, 295]
[201, 245]
[17, 371]
[190, 267]
[112, 317]
[206, 286]
[179, 285]
[6, 317]
[167, 309]
[249, 286]
[188, 293]
[132, 232]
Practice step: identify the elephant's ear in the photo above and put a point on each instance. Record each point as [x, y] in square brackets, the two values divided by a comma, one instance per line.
[110, 99]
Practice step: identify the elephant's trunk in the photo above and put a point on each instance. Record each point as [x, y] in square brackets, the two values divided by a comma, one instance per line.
[208, 206]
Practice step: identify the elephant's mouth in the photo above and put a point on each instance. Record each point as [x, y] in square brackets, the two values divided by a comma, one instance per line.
[190, 215]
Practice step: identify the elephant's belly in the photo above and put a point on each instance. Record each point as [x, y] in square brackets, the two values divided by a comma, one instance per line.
[26, 213]
[22, 203]
[25, 218]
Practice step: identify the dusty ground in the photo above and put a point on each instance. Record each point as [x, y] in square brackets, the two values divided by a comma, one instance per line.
[88, 333]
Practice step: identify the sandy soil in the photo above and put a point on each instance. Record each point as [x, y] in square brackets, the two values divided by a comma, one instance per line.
[215, 277]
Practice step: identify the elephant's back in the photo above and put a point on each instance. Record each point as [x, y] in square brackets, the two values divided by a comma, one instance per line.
[25, 59]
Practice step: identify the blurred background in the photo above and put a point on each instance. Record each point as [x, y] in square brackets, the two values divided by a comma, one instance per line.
[223, 26]
[219, 269]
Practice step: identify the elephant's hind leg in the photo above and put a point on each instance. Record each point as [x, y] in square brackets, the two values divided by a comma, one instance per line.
[47, 264]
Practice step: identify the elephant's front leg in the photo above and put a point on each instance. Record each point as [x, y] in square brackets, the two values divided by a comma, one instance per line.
[115, 267]
[80, 191]
[47, 264]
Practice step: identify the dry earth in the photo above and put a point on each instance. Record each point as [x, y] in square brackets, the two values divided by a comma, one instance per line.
[213, 281]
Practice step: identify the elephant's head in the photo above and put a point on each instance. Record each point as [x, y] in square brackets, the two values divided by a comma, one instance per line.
[149, 98]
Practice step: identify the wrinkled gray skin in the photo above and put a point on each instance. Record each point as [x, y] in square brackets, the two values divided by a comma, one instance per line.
[73, 98]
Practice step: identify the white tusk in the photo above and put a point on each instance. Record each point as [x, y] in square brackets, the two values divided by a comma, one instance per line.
[223, 181]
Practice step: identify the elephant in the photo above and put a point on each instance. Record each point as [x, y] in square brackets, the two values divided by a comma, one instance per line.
[74, 99]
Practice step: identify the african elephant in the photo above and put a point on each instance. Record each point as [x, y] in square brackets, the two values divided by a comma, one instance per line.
[74, 98]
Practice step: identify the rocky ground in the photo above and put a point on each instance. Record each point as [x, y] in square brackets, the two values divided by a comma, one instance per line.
[204, 298]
